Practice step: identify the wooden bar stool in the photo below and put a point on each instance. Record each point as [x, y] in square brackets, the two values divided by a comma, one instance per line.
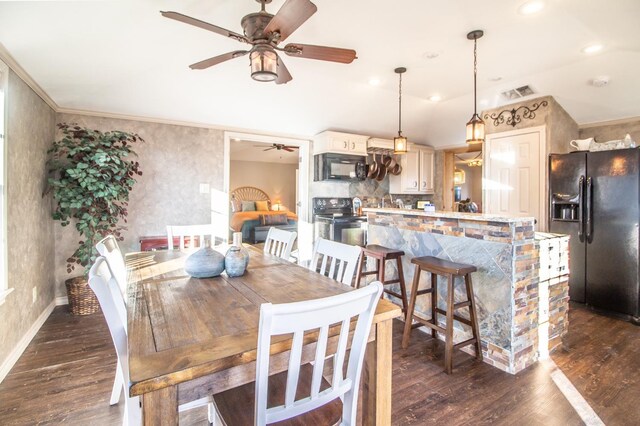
[381, 255]
[449, 269]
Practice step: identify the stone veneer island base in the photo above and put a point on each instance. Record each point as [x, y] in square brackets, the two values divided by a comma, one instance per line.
[516, 324]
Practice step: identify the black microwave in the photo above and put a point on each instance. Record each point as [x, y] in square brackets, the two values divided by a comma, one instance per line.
[342, 167]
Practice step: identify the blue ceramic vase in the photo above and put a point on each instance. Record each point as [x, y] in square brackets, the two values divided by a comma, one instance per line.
[237, 241]
[205, 263]
[235, 262]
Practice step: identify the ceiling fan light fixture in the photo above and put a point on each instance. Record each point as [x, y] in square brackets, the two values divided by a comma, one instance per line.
[400, 142]
[264, 64]
[475, 126]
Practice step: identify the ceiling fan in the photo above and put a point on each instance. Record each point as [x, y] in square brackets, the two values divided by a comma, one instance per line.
[279, 147]
[264, 31]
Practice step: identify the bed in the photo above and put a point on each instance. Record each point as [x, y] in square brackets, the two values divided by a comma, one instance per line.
[246, 221]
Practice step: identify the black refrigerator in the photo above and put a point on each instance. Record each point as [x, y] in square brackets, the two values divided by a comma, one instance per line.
[595, 198]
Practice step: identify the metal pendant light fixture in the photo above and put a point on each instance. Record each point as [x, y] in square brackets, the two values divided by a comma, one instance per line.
[400, 142]
[475, 126]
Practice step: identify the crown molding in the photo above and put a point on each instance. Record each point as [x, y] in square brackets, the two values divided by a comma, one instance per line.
[609, 122]
[130, 117]
[6, 57]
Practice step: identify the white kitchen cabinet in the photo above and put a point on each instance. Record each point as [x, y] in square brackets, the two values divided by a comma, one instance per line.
[341, 143]
[417, 172]
[426, 171]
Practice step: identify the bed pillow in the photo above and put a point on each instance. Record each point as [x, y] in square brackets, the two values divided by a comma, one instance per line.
[248, 206]
[273, 219]
[236, 206]
[262, 206]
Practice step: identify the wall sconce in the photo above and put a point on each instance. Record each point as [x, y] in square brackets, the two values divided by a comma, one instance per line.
[458, 177]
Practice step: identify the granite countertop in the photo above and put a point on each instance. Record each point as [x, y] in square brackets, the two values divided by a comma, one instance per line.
[452, 215]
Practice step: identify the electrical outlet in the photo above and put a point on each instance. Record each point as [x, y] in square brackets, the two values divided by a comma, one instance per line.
[34, 295]
[204, 188]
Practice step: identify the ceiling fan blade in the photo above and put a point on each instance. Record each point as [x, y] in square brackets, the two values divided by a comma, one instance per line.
[322, 53]
[269, 149]
[204, 25]
[291, 15]
[283, 73]
[217, 59]
[286, 148]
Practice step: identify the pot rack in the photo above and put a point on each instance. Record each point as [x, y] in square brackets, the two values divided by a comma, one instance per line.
[380, 151]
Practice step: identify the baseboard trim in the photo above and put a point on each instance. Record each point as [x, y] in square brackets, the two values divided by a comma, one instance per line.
[62, 300]
[17, 351]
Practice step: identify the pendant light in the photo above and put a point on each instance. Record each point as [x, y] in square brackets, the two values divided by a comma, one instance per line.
[400, 142]
[475, 126]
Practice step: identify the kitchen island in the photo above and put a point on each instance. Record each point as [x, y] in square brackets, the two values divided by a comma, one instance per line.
[519, 318]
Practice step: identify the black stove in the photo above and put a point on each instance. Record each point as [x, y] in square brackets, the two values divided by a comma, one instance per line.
[334, 220]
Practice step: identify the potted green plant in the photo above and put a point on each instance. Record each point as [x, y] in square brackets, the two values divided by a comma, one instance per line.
[91, 175]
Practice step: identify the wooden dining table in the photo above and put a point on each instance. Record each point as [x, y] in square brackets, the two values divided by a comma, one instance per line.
[190, 338]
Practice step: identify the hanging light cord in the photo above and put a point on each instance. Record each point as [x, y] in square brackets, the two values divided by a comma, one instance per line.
[400, 107]
[475, 72]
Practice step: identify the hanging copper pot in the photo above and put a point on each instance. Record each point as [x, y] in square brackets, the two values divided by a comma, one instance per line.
[373, 169]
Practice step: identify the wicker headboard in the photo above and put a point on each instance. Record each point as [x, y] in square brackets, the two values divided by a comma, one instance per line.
[249, 193]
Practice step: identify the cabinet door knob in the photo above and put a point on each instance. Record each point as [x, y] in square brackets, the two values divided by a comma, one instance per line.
[345, 145]
[415, 183]
[424, 184]
[353, 145]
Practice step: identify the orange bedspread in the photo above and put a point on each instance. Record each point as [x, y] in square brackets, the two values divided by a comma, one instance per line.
[239, 218]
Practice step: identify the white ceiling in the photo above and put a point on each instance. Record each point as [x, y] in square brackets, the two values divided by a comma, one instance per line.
[255, 151]
[123, 57]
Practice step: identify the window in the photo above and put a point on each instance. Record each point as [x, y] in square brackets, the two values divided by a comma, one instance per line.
[4, 78]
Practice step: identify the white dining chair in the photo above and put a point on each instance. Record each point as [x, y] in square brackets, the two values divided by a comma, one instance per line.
[279, 242]
[109, 249]
[303, 388]
[336, 260]
[191, 231]
[106, 289]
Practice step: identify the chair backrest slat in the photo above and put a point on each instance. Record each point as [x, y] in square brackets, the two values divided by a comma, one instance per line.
[190, 231]
[318, 368]
[311, 315]
[280, 242]
[294, 369]
[342, 260]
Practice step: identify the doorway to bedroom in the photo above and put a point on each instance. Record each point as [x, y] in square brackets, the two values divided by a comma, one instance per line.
[266, 182]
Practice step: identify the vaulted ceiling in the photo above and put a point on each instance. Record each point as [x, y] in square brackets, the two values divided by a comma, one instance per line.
[123, 57]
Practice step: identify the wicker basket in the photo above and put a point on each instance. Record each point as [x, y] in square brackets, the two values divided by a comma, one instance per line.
[82, 300]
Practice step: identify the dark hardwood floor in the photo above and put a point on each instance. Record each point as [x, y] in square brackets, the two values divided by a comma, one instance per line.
[66, 374]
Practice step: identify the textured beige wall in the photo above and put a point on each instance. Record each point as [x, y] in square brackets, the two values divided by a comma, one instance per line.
[276, 179]
[174, 161]
[607, 132]
[30, 241]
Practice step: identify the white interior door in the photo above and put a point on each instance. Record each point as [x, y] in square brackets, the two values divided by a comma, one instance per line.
[513, 182]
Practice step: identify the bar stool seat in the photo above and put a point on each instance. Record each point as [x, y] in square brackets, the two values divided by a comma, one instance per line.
[449, 269]
[381, 254]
